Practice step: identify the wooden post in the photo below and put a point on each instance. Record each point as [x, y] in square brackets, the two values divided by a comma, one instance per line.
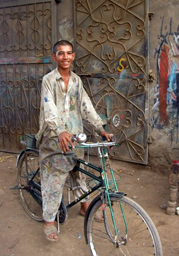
[173, 182]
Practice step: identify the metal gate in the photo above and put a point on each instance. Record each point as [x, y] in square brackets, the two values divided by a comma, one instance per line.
[111, 50]
[25, 56]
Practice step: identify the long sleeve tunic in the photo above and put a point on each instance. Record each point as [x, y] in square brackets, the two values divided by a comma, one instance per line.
[64, 111]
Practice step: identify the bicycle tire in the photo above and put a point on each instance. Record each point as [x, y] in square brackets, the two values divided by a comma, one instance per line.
[142, 238]
[27, 165]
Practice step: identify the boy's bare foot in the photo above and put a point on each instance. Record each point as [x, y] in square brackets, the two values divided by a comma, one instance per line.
[84, 208]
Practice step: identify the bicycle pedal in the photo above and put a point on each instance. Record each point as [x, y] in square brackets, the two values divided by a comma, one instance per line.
[15, 187]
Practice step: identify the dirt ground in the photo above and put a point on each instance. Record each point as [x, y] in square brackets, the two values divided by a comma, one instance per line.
[22, 236]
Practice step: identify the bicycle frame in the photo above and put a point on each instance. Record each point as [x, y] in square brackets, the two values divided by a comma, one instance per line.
[103, 181]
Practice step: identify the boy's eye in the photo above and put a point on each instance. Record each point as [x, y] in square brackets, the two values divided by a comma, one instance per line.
[59, 53]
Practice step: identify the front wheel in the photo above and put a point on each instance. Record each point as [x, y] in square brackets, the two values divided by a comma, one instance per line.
[136, 234]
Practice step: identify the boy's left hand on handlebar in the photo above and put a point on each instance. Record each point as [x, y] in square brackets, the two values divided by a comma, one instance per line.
[109, 137]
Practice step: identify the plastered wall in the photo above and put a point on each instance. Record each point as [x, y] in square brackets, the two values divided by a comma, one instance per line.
[164, 62]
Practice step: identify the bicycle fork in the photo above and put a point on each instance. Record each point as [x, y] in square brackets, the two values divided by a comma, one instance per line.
[106, 200]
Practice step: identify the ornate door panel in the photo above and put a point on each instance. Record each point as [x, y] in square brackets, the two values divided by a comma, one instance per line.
[112, 61]
[25, 56]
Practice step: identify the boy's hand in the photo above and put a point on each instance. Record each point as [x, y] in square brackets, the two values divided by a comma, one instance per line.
[65, 138]
[107, 136]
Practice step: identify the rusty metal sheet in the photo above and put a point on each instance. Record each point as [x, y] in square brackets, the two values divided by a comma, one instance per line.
[25, 50]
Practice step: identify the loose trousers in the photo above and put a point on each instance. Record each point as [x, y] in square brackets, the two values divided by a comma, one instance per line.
[54, 169]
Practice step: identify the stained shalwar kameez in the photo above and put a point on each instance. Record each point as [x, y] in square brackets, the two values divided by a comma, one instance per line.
[61, 112]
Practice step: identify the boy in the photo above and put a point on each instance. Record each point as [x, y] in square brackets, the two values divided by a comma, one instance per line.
[64, 103]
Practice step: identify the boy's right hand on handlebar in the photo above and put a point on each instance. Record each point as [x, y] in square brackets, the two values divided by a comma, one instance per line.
[64, 139]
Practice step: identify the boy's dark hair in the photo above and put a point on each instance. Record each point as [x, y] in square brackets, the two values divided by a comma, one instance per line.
[61, 42]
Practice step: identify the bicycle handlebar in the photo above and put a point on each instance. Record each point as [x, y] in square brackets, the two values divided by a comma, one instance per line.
[81, 139]
[99, 144]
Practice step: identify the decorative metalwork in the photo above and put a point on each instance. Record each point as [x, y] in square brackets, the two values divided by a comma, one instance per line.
[25, 49]
[111, 59]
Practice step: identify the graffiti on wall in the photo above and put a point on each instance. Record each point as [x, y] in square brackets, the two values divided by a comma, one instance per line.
[122, 64]
[166, 96]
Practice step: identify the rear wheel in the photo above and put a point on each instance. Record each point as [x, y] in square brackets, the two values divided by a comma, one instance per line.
[29, 183]
[138, 238]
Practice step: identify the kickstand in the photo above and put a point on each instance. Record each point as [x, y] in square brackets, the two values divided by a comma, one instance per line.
[58, 225]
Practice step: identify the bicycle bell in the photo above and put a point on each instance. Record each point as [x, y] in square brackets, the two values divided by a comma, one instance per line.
[81, 137]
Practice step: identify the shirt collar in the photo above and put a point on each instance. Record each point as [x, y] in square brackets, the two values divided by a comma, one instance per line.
[58, 75]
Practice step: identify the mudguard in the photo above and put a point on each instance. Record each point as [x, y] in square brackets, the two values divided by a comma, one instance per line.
[23, 152]
[111, 194]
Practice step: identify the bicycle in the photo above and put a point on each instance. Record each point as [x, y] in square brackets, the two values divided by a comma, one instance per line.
[114, 224]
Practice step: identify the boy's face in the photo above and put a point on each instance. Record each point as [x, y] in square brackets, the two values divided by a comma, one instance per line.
[64, 56]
